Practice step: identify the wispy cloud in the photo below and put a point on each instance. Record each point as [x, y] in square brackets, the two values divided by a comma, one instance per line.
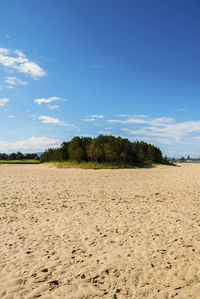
[122, 115]
[127, 121]
[34, 144]
[135, 115]
[164, 130]
[139, 120]
[97, 116]
[16, 60]
[93, 117]
[12, 81]
[53, 107]
[3, 101]
[39, 101]
[50, 120]
[88, 119]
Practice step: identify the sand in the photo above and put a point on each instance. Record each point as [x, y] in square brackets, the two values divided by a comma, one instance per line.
[74, 233]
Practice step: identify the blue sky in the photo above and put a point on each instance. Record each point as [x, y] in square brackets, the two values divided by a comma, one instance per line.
[125, 68]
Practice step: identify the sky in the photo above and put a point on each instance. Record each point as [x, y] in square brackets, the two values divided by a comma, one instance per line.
[83, 68]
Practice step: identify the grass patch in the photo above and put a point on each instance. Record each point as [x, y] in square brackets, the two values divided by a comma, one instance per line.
[19, 161]
[93, 165]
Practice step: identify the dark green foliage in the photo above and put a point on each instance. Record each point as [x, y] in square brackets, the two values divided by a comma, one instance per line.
[75, 149]
[31, 156]
[18, 156]
[86, 142]
[51, 155]
[12, 156]
[105, 149]
[182, 159]
[3, 157]
[64, 150]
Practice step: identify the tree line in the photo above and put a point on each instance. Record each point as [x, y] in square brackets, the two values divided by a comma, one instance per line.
[105, 149]
[19, 156]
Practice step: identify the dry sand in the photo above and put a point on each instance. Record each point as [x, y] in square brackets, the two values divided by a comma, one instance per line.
[72, 233]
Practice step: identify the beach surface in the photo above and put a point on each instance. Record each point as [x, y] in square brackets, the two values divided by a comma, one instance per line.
[74, 233]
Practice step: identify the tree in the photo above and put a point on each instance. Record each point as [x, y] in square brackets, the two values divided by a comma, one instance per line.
[64, 150]
[107, 149]
[95, 153]
[3, 156]
[13, 156]
[86, 141]
[19, 156]
[182, 159]
[75, 149]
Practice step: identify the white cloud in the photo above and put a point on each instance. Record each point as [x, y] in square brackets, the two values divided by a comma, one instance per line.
[34, 144]
[93, 117]
[140, 120]
[127, 121]
[175, 131]
[39, 101]
[140, 115]
[11, 116]
[50, 120]
[97, 116]
[122, 115]
[3, 101]
[16, 60]
[88, 119]
[52, 107]
[136, 115]
[12, 81]
[196, 138]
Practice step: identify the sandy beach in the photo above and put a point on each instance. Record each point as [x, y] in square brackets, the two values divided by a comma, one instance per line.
[74, 233]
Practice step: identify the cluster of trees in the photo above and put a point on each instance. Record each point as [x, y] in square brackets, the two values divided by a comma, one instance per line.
[18, 156]
[106, 149]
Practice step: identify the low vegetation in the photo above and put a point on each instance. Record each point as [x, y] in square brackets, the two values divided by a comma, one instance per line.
[29, 161]
[19, 158]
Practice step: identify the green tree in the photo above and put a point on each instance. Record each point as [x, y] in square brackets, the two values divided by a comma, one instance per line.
[75, 149]
[64, 150]
[95, 153]
[86, 141]
[13, 156]
[19, 156]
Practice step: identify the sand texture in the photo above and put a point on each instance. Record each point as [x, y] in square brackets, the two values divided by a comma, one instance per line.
[74, 233]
